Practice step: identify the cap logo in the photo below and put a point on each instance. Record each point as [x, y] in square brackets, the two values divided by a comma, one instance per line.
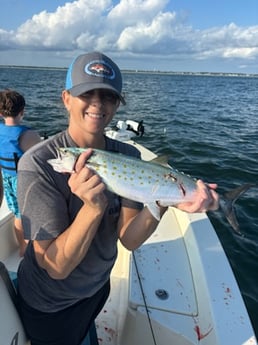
[100, 68]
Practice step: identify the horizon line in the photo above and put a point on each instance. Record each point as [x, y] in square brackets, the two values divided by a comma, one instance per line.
[143, 71]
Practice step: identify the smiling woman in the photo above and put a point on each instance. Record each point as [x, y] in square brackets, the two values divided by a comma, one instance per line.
[65, 274]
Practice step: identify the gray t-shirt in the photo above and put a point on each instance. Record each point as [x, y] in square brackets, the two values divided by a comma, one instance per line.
[48, 207]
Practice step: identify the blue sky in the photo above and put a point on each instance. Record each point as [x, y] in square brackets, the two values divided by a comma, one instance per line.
[178, 35]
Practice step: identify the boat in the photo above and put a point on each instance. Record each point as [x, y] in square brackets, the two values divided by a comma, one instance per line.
[125, 130]
[177, 288]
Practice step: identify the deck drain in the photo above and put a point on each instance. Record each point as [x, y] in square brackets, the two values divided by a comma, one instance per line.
[162, 294]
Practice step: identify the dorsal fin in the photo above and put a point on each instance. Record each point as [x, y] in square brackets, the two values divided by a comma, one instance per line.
[161, 160]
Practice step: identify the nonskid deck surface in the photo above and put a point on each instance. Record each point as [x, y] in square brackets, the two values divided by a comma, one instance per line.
[153, 269]
[180, 290]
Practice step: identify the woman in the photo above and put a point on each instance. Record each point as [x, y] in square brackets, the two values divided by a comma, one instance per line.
[74, 225]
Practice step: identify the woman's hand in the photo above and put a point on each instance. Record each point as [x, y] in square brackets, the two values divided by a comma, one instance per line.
[206, 199]
[86, 184]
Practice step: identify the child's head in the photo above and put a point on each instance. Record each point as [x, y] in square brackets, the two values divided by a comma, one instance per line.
[11, 103]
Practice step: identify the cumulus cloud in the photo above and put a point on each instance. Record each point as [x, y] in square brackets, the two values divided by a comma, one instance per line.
[65, 28]
[6, 39]
[136, 27]
[142, 35]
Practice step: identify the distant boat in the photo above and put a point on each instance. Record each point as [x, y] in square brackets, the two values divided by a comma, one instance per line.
[125, 130]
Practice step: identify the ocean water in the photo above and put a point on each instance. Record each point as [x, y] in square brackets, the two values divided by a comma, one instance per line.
[207, 125]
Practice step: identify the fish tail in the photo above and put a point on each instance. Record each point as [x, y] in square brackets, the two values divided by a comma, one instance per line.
[227, 202]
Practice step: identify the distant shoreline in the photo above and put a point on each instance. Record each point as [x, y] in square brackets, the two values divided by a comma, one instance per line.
[215, 74]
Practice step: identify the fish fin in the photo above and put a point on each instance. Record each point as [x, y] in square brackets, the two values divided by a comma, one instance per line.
[154, 210]
[161, 160]
[227, 204]
[93, 164]
[58, 167]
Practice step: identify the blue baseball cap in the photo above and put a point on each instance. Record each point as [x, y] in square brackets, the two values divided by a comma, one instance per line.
[93, 71]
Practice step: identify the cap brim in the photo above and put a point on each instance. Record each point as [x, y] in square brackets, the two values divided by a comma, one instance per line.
[82, 88]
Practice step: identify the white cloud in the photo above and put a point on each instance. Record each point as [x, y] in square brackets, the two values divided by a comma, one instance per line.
[145, 35]
[129, 12]
[6, 39]
[65, 28]
[248, 53]
[136, 27]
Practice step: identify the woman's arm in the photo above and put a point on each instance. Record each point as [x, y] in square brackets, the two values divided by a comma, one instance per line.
[60, 256]
[135, 227]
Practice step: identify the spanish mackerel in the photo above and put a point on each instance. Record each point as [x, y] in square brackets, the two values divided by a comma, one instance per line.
[148, 182]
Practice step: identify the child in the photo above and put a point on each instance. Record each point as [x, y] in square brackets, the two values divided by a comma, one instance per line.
[15, 139]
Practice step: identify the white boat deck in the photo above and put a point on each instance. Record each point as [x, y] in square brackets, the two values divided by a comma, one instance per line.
[201, 304]
[166, 287]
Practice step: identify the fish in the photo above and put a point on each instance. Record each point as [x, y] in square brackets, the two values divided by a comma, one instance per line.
[149, 182]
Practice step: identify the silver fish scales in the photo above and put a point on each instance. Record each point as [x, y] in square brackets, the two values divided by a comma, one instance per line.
[133, 178]
[144, 181]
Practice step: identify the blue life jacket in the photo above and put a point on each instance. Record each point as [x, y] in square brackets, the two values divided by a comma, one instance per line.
[10, 150]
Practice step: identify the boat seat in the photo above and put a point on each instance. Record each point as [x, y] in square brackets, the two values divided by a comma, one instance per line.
[4, 274]
[11, 328]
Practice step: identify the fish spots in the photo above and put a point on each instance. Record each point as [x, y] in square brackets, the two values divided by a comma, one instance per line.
[141, 180]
